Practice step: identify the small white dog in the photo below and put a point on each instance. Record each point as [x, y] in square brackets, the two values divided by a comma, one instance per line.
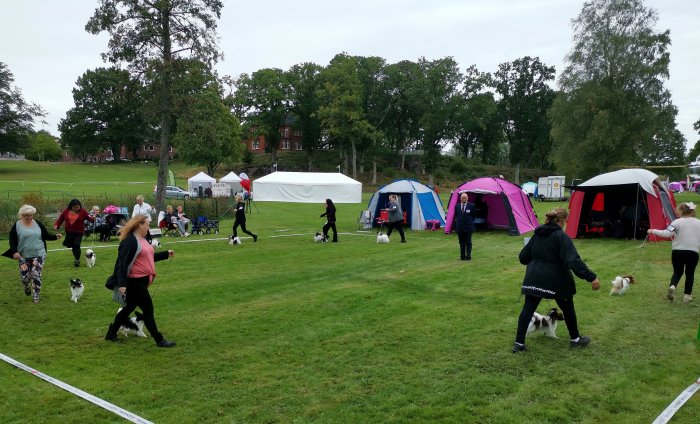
[546, 324]
[621, 284]
[76, 289]
[90, 258]
[320, 238]
[233, 240]
[133, 326]
[155, 243]
[382, 238]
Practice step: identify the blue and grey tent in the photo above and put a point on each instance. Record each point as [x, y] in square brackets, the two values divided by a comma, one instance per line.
[420, 202]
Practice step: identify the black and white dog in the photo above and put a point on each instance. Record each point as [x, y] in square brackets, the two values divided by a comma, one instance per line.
[546, 324]
[621, 284]
[76, 289]
[90, 258]
[233, 240]
[320, 238]
[133, 326]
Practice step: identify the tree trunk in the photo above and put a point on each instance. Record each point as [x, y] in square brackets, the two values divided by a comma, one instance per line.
[374, 171]
[516, 178]
[165, 112]
[354, 160]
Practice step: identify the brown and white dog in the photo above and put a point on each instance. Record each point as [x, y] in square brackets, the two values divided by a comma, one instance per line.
[546, 324]
[621, 284]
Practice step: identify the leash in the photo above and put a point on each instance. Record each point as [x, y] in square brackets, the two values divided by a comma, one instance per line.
[640, 257]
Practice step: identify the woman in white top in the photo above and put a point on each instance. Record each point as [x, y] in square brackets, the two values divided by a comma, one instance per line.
[685, 232]
[142, 208]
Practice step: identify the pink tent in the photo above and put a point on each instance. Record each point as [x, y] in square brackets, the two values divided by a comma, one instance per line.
[500, 204]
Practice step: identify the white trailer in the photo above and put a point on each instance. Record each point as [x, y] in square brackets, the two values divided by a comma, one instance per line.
[551, 188]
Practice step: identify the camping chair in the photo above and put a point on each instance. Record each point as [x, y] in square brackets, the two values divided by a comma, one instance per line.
[167, 228]
[365, 220]
[382, 219]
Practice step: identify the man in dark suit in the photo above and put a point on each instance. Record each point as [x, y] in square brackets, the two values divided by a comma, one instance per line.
[463, 224]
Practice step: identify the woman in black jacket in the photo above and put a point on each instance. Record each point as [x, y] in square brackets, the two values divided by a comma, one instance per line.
[240, 218]
[134, 272]
[550, 257]
[330, 224]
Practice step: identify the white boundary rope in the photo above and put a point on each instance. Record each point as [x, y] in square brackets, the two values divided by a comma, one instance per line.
[676, 404]
[87, 396]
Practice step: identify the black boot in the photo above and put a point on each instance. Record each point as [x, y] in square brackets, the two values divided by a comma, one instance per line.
[469, 254]
[164, 343]
[112, 333]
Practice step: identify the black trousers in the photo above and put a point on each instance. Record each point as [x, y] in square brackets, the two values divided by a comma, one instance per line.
[531, 302]
[137, 296]
[684, 260]
[73, 241]
[465, 244]
[240, 223]
[399, 227]
[331, 226]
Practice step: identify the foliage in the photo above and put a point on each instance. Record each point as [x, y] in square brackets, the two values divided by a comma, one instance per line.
[614, 108]
[43, 147]
[207, 133]
[17, 115]
[304, 82]
[107, 114]
[148, 34]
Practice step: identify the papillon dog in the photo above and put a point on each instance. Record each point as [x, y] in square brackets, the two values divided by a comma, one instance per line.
[155, 243]
[320, 238]
[233, 240]
[621, 284]
[382, 238]
[133, 326]
[547, 324]
[90, 258]
[76, 289]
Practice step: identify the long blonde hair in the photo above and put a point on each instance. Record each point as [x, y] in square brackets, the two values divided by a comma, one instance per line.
[131, 226]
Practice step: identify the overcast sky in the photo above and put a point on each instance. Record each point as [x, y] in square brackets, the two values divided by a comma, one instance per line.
[46, 47]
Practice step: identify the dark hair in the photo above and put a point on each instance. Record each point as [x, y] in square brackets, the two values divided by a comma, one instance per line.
[74, 202]
[330, 204]
[558, 214]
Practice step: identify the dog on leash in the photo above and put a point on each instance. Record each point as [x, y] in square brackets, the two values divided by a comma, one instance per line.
[155, 243]
[233, 240]
[621, 284]
[545, 324]
[320, 238]
[382, 238]
[133, 326]
[76, 289]
[90, 258]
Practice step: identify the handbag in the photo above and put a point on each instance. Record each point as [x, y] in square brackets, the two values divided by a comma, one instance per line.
[111, 282]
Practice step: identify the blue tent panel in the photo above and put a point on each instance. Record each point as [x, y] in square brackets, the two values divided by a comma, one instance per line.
[429, 208]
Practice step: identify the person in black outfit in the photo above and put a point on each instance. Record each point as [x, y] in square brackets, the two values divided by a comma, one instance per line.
[330, 224]
[463, 224]
[550, 257]
[134, 271]
[395, 217]
[240, 218]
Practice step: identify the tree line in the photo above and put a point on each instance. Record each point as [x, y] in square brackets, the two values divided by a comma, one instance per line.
[609, 108]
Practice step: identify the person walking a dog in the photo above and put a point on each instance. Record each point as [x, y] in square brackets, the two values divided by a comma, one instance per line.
[28, 246]
[240, 218]
[395, 217]
[134, 272]
[73, 219]
[463, 223]
[685, 232]
[551, 256]
[330, 223]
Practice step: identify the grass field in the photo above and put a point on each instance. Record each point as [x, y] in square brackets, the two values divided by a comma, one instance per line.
[285, 330]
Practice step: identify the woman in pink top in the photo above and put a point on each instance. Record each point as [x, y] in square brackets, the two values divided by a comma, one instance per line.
[133, 273]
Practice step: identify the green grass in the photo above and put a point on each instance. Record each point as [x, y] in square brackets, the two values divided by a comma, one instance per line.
[285, 330]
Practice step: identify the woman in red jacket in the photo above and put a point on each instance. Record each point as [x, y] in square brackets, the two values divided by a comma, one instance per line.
[73, 219]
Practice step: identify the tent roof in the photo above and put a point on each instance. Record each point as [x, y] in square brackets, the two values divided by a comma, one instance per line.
[644, 178]
[404, 186]
[231, 177]
[306, 178]
[202, 177]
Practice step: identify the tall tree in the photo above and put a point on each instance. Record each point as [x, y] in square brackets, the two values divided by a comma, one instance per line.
[304, 82]
[17, 115]
[263, 100]
[43, 147]
[613, 108]
[525, 100]
[107, 114]
[207, 132]
[401, 125]
[154, 33]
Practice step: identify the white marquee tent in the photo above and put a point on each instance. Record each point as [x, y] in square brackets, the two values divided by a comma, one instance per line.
[202, 179]
[233, 180]
[307, 187]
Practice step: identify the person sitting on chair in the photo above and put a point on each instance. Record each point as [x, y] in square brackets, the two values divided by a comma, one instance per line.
[182, 217]
[173, 222]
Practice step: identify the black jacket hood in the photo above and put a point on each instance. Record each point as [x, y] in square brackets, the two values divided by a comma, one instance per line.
[547, 229]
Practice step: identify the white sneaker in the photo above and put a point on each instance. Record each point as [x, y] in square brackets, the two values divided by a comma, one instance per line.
[687, 298]
[187, 234]
[671, 294]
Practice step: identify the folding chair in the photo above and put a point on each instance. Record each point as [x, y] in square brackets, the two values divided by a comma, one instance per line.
[365, 220]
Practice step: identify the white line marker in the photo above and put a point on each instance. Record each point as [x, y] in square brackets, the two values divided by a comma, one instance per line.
[87, 396]
[676, 404]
